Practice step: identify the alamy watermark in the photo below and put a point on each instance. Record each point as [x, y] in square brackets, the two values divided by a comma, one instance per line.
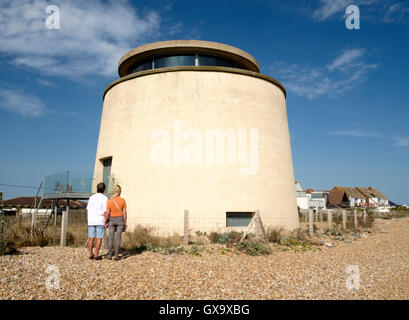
[206, 147]
[53, 19]
[53, 280]
[353, 280]
[353, 19]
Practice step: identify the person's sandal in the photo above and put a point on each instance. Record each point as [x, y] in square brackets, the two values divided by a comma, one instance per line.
[116, 258]
[91, 257]
[98, 258]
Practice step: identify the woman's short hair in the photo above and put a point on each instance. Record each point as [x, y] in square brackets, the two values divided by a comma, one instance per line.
[117, 191]
[101, 187]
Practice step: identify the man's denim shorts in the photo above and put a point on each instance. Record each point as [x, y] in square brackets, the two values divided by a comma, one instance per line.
[96, 232]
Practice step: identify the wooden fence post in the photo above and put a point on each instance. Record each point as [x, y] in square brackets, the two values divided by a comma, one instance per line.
[55, 215]
[311, 221]
[33, 218]
[3, 230]
[344, 219]
[329, 218]
[64, 226]
[356, 218]
[365, 216]
[321, 216]
[186, 228]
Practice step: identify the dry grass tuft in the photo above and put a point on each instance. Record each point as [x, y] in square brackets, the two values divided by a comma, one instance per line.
[147, 237]
[274, 234]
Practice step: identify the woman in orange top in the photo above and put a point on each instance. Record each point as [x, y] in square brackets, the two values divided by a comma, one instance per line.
[115, 218]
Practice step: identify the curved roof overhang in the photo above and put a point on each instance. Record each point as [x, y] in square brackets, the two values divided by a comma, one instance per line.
[140, 54]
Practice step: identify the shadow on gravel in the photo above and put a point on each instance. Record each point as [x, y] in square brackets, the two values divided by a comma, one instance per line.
[124, 254]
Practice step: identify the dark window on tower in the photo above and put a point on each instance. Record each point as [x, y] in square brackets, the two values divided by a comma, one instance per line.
[238, 219]
[147, 65]
[106, 172]
[207, 60]
[174, 61]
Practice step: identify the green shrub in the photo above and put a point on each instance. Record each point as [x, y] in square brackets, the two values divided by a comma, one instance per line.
[234, 237]
[223, 238]
[166, 249]
[229, 238]
[200, 238]
[296, 244]
[253, 248]
[195, 250]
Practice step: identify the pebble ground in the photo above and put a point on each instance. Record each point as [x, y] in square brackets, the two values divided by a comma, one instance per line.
[382, 259]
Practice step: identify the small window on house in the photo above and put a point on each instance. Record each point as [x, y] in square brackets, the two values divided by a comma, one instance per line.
[238, 219]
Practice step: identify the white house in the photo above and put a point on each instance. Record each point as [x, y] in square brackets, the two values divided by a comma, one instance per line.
[373, 198]
[317, 199]
[357, 197]
[302, 199]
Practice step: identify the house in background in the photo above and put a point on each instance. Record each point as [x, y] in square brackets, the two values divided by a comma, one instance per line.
[26, 205]
[346, 197]
[302, 199]
[373, 197]
[357, 197]
[317, 198]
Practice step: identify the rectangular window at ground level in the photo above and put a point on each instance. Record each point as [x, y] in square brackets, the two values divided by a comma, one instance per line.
[238, 219]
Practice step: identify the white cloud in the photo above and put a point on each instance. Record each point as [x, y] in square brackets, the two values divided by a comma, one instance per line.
[45, 83]
[22, 103]
[395, 12]
[402, 142]
[93, 35]
[388, 11]
[329, 8]
[341, 74]
[399, 142]
[346, 59]
[357, 133]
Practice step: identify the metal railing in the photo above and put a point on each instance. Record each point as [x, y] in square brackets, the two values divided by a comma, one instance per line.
[73, 182]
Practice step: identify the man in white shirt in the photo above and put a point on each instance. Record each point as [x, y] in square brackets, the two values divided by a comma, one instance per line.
[96, 208]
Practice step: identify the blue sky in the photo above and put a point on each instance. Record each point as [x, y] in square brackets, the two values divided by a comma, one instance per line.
[348, 90]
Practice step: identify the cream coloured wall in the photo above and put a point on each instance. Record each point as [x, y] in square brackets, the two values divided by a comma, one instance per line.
[158, 194]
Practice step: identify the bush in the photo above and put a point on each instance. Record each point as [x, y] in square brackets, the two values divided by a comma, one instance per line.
[296, 244]
[21, 235]
[234, 237]
[166, 249]
[138, 237]
[199, 238]
[223, 238]
[253, 248]
[143, 238]
[213, 237]
[195, 250]
[228, 238]
[274, 234]
[298, 234]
